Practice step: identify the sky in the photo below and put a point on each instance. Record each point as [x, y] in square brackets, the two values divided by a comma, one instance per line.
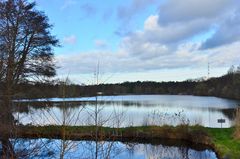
[144, 40]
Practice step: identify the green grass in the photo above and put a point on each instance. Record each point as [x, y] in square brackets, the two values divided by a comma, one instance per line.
[224, 142]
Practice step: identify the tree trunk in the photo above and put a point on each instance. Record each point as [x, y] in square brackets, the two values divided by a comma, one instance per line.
[6, 128]
[7, 149]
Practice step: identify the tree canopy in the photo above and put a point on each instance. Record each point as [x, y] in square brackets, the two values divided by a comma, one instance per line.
[26, 43]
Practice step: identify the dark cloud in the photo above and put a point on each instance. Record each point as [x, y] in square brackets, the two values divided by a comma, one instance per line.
[187, 10]
[126, 13]
[227, 33]
[199, 16]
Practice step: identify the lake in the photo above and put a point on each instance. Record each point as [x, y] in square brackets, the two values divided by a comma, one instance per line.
[52, 148]
[128, 110]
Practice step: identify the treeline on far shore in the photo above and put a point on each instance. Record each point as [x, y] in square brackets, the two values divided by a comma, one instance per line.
[226, 86]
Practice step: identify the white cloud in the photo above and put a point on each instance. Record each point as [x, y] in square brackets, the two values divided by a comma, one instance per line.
[101, 44]
[225, 55]
[72, 39]
[165, 42]
[146, 50]
[172, 33]
[185, 56]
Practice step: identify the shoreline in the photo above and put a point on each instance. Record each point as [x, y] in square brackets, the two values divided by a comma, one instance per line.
[195, 136]
[219, 140]
[77, 99]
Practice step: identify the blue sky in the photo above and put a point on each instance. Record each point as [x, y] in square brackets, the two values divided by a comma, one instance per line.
[154, 40]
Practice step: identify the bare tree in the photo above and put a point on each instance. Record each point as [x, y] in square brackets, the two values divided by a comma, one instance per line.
[25, 44]
[25, 54]
[237, 120]
[66, 118]
[100, 147]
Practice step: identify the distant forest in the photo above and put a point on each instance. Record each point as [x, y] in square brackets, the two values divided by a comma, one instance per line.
[226, 86]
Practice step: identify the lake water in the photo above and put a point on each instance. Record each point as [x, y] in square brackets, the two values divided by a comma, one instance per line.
[50, 149]
[128, 110]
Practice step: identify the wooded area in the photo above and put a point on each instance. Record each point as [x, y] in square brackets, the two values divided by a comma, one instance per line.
[226, 86]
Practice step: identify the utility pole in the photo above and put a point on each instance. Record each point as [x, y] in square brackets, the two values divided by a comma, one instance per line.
[208, 70]
[208, 76]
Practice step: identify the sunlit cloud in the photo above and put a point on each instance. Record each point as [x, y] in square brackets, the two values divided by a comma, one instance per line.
[176, 35]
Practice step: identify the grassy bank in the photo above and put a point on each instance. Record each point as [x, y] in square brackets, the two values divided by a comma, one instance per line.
[221, 140]
[224, 142]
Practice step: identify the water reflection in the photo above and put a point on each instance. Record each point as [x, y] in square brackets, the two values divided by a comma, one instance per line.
[46, 148]
[138, 110]
[168, 152]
